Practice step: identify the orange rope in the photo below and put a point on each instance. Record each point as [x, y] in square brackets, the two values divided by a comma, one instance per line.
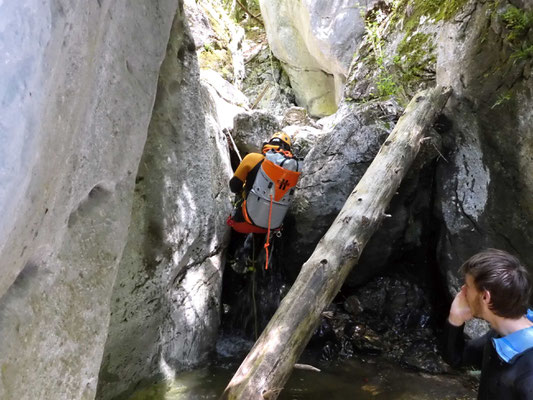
[267, 243]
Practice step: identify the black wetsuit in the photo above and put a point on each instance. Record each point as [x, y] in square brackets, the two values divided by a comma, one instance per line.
[499, 380]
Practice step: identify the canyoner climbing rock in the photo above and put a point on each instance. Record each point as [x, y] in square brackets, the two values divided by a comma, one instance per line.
[269, 364]
[264, 185]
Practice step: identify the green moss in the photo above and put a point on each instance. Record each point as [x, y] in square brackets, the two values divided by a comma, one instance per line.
[502, 99]
[445, 10]
[217, 60]
[216, 55]
[438, 10]
[416, 58]
[154, 392]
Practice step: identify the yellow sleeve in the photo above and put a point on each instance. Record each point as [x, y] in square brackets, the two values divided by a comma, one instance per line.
[247, 164]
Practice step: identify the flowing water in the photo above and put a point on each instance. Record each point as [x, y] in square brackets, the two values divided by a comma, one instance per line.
[350, 379]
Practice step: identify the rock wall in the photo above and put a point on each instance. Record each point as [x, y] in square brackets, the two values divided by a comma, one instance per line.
[315, 42]
[80, 82]
[218, 39]
[481, 189]
[336, 162]
[484, 191]
[165, 303]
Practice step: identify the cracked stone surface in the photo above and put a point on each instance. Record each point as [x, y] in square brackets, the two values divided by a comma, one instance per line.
[337, 160]
[253, 128]
[332, 167]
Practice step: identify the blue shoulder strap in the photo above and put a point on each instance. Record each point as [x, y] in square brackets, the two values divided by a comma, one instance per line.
[511, 346]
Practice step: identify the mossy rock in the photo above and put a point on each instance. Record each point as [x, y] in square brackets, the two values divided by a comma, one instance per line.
[217, 60]
[411, 11]
[416, 59]
[519, 25]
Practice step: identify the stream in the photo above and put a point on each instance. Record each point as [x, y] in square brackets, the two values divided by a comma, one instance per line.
[352, 352]
[361, 379]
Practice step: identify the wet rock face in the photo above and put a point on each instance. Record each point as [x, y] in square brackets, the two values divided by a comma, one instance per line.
[315, 42]
[390, 316]
[76, 116]
[166, 300]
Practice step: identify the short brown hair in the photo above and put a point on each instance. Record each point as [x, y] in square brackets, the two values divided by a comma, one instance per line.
[504, 277]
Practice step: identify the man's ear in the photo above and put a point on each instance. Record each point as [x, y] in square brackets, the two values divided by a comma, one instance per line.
[486, 297]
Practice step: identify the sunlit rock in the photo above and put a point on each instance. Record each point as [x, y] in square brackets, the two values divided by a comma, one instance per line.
[482, 182]
[484, 191]
[165, 304]
[266, 84]
[218, 39]
[228, 100]
[303, 138]
[253, 128]
[78, 85]
[315, 41]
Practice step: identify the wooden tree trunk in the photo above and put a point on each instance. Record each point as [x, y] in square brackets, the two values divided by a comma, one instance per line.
[269, 364]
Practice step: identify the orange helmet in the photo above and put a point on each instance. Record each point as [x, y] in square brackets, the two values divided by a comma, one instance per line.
[281, 136]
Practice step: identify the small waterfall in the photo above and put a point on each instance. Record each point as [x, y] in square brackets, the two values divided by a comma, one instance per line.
[251, 293]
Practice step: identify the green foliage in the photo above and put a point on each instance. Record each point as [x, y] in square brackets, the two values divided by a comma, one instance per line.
[518, 24]
[239, 14]
[523, 53]
[502, 99]
[385, 82]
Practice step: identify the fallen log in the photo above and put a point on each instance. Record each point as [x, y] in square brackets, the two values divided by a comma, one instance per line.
[269, 364]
